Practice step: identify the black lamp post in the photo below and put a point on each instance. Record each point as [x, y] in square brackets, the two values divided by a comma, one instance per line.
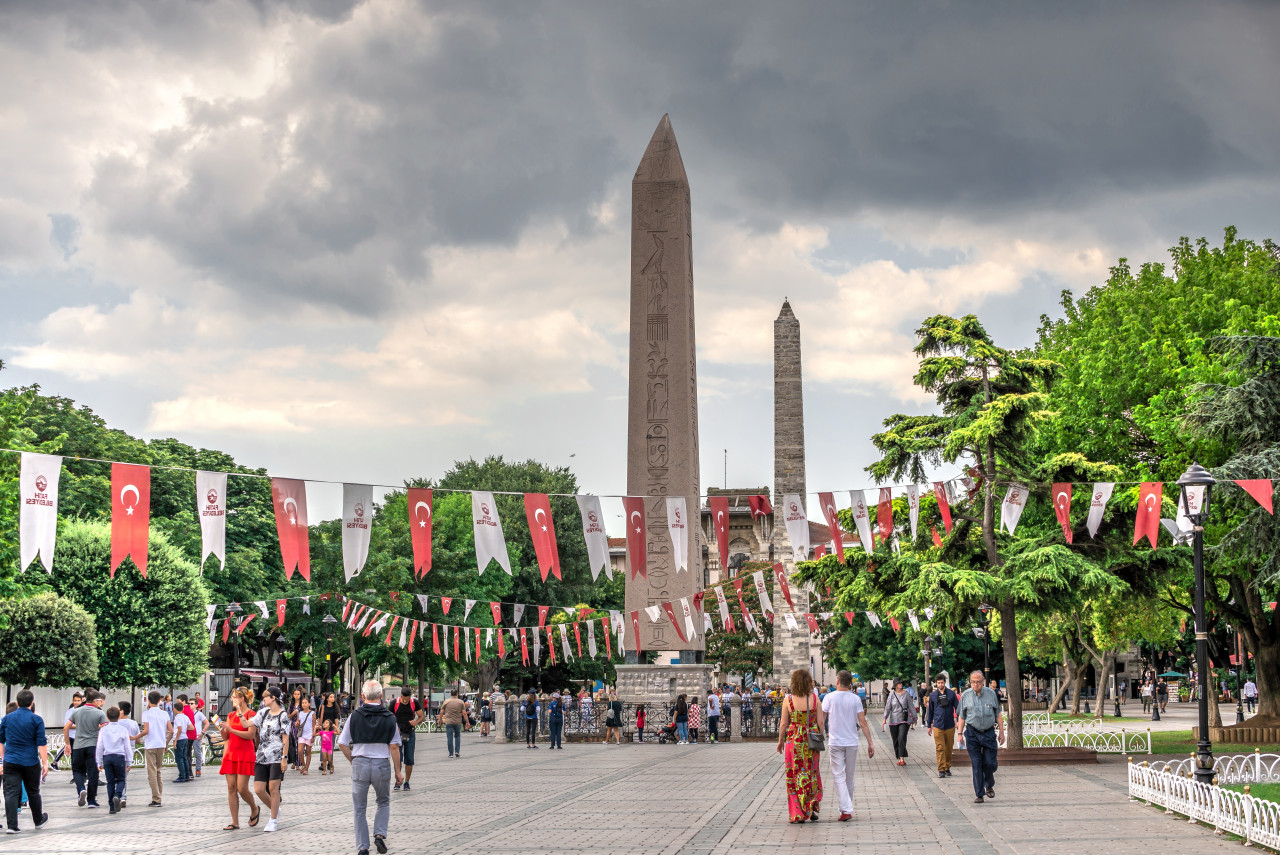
[985, 623]
[1239, 678]
[329, 623]
[1197, 483]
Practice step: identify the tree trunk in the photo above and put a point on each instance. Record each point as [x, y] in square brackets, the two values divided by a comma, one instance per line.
[1077, 689]
[1105, 667]
[355, 660]
[1012, 672]
[1071, 668]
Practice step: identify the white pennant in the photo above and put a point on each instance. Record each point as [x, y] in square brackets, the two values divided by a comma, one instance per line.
[928, 612]
[404, 633]
[306, 605]
[593, 532]
[1098, 504]
[537, 645]
[915, 622]
[570, 610]
[913, 502]
[874, 618]
[791, 621]
[706, 624]
[591, 637]
[825, 615]
[688, 618]
[422, 601]
[38, 502]
[564, 642]
[466, 640]
[654, 613]
[678, 525]
[467, 613]
[262, 604]
[1194, 497]
[209, 621]
[517, 610]
[488, 636]
[797, 526]
[211, 507]
[724, 607]
[490, 543]
[860, 517]
[765, 603]
[1011, 508]
[357, 520]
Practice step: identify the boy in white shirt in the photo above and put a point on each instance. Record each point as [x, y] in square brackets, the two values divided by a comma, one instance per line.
[197, 753]
[114, 751]
[844, 716]
[181, 724]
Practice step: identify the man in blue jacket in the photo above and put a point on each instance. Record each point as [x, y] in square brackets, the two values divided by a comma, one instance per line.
[941, 720]
[24, 754]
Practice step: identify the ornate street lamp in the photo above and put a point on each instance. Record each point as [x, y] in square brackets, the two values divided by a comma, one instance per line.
[1195, 489]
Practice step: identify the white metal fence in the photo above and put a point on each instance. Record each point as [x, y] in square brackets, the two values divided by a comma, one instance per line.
[1173, 787]
[1039, 730]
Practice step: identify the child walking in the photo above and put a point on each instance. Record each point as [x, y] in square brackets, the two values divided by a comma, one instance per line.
[326, 746]
[640, 721]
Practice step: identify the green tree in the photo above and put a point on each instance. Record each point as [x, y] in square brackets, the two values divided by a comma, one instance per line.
[47, 640]
[150, 631]
[741, 651]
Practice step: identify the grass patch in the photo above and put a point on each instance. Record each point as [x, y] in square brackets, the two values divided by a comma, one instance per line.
[1268, 792]
[1180, 742]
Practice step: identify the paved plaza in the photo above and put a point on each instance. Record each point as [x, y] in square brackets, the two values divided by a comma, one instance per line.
[639, 799]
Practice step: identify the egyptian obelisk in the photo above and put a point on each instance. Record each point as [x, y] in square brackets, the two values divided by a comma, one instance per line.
[662, 422]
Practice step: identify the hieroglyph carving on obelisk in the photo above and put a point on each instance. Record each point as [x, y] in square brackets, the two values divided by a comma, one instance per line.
[662, 423]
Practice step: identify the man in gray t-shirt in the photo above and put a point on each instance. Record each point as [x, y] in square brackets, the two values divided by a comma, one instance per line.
[86, 719]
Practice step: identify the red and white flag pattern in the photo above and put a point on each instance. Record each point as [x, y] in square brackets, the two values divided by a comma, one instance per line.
[1147, 523]
[130, 514]
[211, 508]
[1062, 508]
[419, 507]
[636, 545]
[289, 497]
[828, 503]
[537, 507]
[944, 507]
[719, 507]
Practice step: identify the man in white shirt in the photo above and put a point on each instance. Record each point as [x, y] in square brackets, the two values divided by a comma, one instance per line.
[713, 716]
[197, 756]
[156, 732]
[1250, 694]
[845, 715]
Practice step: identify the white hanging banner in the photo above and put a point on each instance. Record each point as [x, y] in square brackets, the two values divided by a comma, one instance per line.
[564, 642]
[1098, 504]
[490, 543]
[689, 630]
[874, 618]
[38, 502]
[404, 633]
[1195, 495]
[861, 519]
[488, 636]
[765, 603]
[913, 502]
[654, 613]
[915, 621]
[517, 611]
[1011, 508]
[724, 607]
[594, 533]
[357, 517]
[591, 637]
[467, 613]
[797, 526]
[422, 601]
[262, 605]
[678, 525]
[928, 612]
[791, 621]
[211, 507]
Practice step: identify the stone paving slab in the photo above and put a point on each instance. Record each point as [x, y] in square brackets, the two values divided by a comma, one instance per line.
[639, 800]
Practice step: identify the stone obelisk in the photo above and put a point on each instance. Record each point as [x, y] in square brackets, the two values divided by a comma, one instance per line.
[662, 422]
[791, 648]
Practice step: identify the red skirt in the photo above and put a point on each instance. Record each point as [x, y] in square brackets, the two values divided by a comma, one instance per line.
[232, 766]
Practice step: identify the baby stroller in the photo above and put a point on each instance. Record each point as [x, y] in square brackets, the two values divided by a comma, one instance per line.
[668, 734]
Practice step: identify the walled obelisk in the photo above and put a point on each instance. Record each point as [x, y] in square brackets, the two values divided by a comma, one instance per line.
[662, 422]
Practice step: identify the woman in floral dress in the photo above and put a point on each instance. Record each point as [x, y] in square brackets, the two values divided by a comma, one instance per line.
[802, 714]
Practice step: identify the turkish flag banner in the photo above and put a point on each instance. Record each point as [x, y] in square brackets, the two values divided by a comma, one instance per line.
[635, 628]
[781, 576]
[244, 623]
[524, 647]
[280, 604]
[419, 506]
[346, 609]
[636, 546]
[455, 645]
[893, 622]
[719, 506]
[391, 629]
[542, 615]
[373, 622]
[608, 641]
[538, 509]
[671, 615]
[477, 634]
[551, 648]
[1260, 489]
[813, 622]
[760, 507]
[502, 648]
[412, 633]
[828, 503]
[849, 617]
[1147, 523]
[819, 552]
[289, 496]
[1062, 507]
[435, 639]
[226, 629]
[495, 609]
[944, 507]
[445, 602]
[884, 513]
[130, 514]
[577, 636]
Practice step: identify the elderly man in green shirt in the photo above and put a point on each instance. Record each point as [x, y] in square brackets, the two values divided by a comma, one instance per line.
[979, 723]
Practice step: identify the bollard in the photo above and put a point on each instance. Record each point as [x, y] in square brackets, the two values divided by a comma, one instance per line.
[1086, 706]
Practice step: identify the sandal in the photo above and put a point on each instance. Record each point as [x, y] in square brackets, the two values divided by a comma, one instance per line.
[253, 818]
[230, 828]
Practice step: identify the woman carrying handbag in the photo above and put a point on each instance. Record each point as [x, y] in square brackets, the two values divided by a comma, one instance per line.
[900, 716]
[800, 743]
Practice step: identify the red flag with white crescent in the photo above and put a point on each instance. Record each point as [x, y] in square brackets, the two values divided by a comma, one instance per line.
[884, 513]
[551, 648]
[502, 648]
[419, 504]
[538, 508]
[760, 507]
[244, 623]
[496, 610]
[373, 621]
[742, 605]
[937, 539]
[346, 610]
[636, 547]
[435, 639]
[524, 646]
[391, 629]
[1260, 489]
[944, 507]
[130, 515]
[226, 629]
[289, 496]
[413, 632]
[828, 503]
[1147, 523]
[608, 643]
[635, 628]
[813, 622]
[819, 551]
[542, 615]
[719, 506]
[671, 615]
[456, 658]
[577, 636]
[1062, 507]
[781, 576]
[280, 612]
[445, 602]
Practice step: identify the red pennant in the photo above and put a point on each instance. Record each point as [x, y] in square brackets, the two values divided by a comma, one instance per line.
[419, 505]
[781, 576]
[884, 513]
[130, 515]
[819, 551]
[577, 636]
[849, 617]
[1147, 523]
[697, 601]
[289, 496]
[813, 622]
[445, 602]
[244, 623]
[413, 632]
[324, 598]
[435, 639]
[538, 508]
[502, 648]
[542, 615]
[719, 506]
[760, 507]
[355, 618]
[280, 612]
[346, 610]
[671, 615]
[584, 612]
[636, 556]
[976, 474]
[551, 649]
[635, 628]
[395, 595]
[226, 630]
[742, 606]
[496, 610]
[1062, 507]
[1260, 489]
[608, 643]
[391, 629]
[893, 622]
[477, 634]
[373, 621]
[940, 491]
[828, 503]
[456, 658]
[524, 647]
[937, 540]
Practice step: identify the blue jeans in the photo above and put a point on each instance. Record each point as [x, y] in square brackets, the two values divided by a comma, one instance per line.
[407, 744]
[682, 729]
[183, 758]
[556, 726]
[453, 737]
[116, 766]
[981, 745]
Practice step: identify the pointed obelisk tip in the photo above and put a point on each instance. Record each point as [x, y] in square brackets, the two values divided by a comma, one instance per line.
[661, 161]
[786, 314]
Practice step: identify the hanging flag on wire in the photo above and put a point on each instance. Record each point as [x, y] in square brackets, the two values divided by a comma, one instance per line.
[130, 515]
[419, 504]
[38, 515]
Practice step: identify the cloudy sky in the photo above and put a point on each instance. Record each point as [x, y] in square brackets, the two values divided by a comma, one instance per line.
[358, 241]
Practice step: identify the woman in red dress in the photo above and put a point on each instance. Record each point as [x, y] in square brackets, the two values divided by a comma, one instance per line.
[238, 757]
[801, 715]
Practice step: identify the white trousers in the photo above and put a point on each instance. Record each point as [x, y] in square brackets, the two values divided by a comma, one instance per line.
[844, 761]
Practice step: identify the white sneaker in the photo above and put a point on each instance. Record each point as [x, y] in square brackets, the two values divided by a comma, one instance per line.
[271, 825]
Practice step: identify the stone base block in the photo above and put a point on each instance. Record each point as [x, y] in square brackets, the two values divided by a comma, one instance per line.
[646, 684]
